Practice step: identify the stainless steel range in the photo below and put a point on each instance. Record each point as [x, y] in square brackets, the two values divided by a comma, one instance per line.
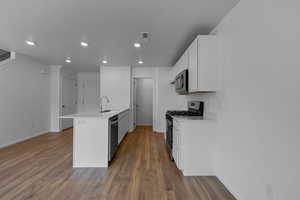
[195, 108]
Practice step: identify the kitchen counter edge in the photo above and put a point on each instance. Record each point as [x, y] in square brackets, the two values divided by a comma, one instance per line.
[95, 115]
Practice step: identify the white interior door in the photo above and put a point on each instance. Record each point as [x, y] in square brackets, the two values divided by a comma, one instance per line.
[69, 100]
[144, 104]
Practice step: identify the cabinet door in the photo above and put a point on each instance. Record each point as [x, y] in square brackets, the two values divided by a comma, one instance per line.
[207, 63]
[193, 66]
[180, 65]
[184, 62]
[174, 154]
[179, 158]
[177, 143]
[123, 125]
[126, 123]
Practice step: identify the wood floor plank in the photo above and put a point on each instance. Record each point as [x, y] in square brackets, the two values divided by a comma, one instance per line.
[41, 168]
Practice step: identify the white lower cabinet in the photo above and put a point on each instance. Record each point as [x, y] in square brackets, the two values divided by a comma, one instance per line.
[177, 157]
[194, 146]
[123, 125]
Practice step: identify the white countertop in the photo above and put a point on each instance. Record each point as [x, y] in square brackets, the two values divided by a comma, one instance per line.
[95, 114]
[206, 117]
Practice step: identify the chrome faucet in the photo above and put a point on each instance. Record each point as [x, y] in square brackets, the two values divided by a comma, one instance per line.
[101, 102]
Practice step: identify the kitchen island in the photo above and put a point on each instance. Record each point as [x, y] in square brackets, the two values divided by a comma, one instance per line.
[92, 136]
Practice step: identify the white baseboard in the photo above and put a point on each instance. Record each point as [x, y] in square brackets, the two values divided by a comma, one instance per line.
[196, 173]
[159, 131]
[22, 139]
[55, 131]
[144, 124]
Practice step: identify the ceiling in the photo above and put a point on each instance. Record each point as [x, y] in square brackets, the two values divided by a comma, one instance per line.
[109, 26]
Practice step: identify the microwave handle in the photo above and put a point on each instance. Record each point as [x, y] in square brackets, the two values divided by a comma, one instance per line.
[177, 82]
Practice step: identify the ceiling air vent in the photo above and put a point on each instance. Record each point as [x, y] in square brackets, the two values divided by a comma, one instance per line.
[4, 55]
[145, 37]
[5, 58]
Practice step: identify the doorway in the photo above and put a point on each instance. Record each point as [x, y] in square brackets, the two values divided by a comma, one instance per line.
[143, 102]
[69, 100]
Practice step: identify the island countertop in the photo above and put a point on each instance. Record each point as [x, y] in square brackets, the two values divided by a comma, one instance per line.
[105, 115]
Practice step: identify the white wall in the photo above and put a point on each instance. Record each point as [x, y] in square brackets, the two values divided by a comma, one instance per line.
[165, 98]
[55, 98]
[24, 100]
[115, 84]
[258, 128]
[143, 72]
[88, 84]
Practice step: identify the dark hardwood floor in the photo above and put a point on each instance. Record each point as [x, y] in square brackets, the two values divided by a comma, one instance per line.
[41, 168]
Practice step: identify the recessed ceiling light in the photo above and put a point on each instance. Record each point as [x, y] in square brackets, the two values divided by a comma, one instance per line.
[84, 44]
[141, 62]
[137, 45]
[104, 61]
[30, 43]
[68, 60]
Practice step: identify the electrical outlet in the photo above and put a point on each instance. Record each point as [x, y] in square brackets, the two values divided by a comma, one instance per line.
[269, 192]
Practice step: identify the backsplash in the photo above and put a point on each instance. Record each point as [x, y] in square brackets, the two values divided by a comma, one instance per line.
[210, 102]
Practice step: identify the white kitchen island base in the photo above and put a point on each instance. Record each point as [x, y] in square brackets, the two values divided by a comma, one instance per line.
[90, 142]
[91, 137]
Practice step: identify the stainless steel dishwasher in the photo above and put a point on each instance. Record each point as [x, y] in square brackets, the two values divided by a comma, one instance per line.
[113, 137]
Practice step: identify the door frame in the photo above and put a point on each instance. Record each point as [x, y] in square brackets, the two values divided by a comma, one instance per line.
[74, 83]
[134, 99]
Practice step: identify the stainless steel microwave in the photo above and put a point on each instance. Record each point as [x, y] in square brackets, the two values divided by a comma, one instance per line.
[181, 82]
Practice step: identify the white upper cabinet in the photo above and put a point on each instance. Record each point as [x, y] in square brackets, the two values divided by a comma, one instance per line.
[193, 66]
[201, 59]
[207, 63]
[183, 61]
[181, 64]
